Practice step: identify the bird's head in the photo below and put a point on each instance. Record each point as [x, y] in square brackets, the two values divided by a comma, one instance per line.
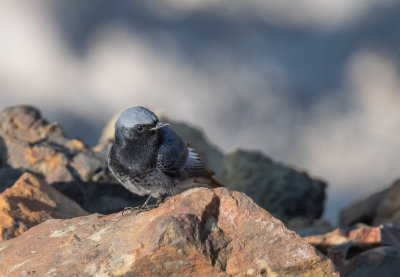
[138, 125]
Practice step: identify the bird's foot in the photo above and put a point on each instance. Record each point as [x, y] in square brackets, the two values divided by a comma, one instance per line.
[162, 199]
[147, 207]
[126, 209]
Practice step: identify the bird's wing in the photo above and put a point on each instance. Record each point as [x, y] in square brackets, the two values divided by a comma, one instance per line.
[195, 166]
[198, 172]
[172, 154]
[175, 158]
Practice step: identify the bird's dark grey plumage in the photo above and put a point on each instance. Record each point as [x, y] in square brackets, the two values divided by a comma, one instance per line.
[149, 158]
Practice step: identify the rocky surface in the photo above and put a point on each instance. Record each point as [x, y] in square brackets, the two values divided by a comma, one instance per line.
[31, 201]
[200, 232]
[29, 142]
[281, 190]
[196, 138]
[364, 252]
[378, 208]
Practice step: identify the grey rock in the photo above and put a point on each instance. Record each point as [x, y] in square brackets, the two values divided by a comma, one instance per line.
[283, 191]
[382, 261]
[378, 208]
[362, 211]
[305, 226]
[388, 209]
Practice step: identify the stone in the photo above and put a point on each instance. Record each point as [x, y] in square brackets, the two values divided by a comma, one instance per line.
[31, 201]
[200, 232]
[388, 209]
[29, 143]
[283, 191]
[368, 251]
[362, 211]
[305, 226]
[379, 208]
[195, 137]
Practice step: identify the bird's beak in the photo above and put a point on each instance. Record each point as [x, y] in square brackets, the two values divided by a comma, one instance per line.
[159, 126]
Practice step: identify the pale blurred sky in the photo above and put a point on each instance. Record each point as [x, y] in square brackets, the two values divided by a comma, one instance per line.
[314, 84]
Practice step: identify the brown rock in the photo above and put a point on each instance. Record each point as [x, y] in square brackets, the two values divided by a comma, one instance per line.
[29, 143]
[29, 202]
[200, 232]
[371, 251]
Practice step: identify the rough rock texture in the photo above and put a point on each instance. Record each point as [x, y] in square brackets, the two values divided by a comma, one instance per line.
[200, 232]
[281, 190]
[209, 152]
[31, 201]
[28, 142]
[381, 207]
[372, 251]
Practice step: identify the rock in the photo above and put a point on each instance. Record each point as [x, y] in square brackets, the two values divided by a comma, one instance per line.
[209, 152]
[388, 209]
[381, 207]
[383, 262]
[31, 201]
[200, 232]
[305, 226]
[371, 251]
[362, 211]
[281, 190]
[29, 143]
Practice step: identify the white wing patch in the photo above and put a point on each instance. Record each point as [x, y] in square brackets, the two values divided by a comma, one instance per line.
[193, 158]
[195, 165]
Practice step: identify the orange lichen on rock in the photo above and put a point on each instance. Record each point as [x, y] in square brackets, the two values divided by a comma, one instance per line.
[29, 202]
[75, 144]
[51, 158]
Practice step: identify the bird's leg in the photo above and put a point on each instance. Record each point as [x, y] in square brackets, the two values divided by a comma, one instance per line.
[140, 208]
[146, 207]
[145, 202]
[161, 199]
[164, 197]
[127, 209]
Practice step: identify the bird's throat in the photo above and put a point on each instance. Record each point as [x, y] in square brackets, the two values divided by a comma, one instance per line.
[135, 156]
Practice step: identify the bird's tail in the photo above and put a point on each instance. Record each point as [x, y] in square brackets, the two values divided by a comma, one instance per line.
[215, 183]
[194, 182]
[210, 181]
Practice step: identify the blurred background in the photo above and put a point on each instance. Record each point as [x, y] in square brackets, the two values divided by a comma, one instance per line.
[313, 84]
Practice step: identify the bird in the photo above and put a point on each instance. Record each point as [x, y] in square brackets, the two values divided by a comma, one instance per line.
[149, 158]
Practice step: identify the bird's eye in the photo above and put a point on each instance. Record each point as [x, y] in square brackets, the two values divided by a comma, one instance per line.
[139, 128]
